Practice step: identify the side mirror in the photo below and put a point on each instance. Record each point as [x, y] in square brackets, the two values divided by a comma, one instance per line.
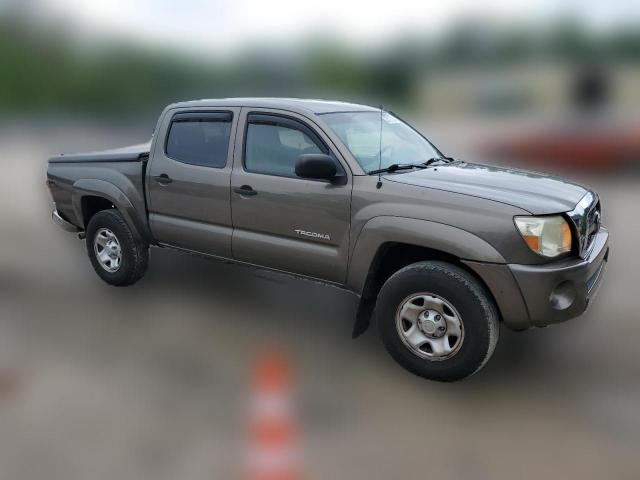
[316, 166]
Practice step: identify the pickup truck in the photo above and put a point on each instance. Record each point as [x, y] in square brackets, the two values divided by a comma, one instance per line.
[439, 251]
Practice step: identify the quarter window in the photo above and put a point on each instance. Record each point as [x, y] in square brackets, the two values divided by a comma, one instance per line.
[200, 140]
[274, 148]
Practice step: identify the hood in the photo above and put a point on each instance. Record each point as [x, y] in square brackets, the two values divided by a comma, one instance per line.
[534, 192]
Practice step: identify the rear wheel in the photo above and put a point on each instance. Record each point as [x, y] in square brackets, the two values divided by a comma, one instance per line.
[118, 256]
[437, 321]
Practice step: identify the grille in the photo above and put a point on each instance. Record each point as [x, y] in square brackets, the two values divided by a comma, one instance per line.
[593, 223]
[586, 219]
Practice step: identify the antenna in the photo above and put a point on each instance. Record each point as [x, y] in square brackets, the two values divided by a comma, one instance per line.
[379, 184]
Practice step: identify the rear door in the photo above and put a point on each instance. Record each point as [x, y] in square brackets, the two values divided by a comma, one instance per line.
[188, 180]
[282, 221]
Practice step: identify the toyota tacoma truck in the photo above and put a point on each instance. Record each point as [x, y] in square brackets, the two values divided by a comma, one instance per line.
[439, 251]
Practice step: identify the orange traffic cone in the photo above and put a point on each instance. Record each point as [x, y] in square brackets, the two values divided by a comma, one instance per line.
[273, 452]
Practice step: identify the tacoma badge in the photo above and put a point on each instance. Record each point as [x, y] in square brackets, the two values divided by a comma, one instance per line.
[323, 236]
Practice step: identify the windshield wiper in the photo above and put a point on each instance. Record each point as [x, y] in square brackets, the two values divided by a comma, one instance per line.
[397, 166]
[438, 159]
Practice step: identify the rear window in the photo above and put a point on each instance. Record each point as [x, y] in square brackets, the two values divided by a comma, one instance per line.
[200, 140]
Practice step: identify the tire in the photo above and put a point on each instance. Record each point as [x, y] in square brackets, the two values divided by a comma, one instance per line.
[420, 293]
[131, 264]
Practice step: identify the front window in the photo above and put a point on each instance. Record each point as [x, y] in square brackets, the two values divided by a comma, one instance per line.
[361, 132]
[273, 148]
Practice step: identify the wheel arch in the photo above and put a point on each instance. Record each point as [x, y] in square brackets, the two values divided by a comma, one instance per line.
[445, 240]
[91, 196]
[375, 258]
[92, 204]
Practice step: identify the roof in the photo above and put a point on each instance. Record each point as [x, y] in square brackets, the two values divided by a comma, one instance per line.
[299, 104]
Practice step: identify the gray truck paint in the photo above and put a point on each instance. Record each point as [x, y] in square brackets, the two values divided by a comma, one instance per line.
[177, 214]
[124, 154]
[461, 209]
[538, 194]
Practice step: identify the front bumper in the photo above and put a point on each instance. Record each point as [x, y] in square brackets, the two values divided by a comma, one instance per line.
[562, 290]
[62, 223]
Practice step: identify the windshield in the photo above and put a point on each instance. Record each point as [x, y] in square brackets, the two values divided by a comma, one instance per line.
[360, 132]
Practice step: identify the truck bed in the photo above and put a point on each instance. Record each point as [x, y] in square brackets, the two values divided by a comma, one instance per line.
[76, 180]
[132, 153]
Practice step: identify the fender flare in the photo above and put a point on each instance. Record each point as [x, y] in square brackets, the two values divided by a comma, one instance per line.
[101, 188]
[422, 233]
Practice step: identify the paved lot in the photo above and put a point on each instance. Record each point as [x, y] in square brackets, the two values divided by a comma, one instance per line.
[151, 381]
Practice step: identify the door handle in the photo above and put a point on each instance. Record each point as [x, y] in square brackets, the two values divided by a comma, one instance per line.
[245, 190]
[163, 179]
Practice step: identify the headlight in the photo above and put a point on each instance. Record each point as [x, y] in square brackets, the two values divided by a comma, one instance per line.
[548, 236]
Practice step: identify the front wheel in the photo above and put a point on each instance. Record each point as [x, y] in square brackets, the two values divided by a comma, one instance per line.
[118, 256]
[437, 321]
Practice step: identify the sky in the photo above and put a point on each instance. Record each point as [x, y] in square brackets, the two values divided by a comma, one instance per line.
[225, 26]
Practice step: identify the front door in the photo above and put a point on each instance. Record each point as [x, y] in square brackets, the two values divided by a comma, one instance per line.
[282, 221]
[188, 181]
